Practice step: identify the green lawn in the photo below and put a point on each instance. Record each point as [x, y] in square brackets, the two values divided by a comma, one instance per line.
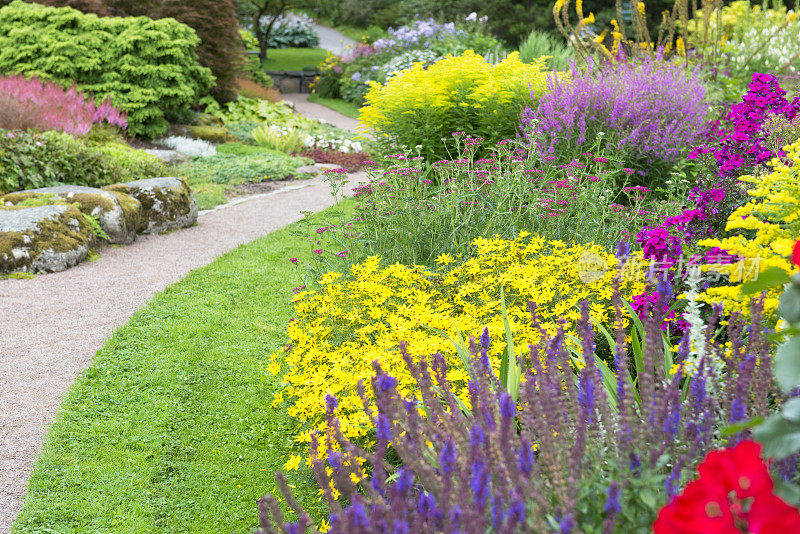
[294, 58]
[345, 108]
[171, 429]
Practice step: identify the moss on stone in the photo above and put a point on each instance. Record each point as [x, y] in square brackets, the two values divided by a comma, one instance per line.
[58, 234]
[131, 209]
[16, 198]
[159, 204]
[51, 234]
[9, 241]
[89, 201]
[214, 134]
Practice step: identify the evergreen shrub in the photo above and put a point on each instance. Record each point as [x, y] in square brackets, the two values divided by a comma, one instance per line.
[147, 68]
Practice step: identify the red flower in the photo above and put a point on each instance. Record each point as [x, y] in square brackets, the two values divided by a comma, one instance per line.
[796, 253]
[733, 494]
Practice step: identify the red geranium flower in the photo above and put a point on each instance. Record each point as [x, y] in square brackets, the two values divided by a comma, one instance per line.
[733, 495]
[796, 253]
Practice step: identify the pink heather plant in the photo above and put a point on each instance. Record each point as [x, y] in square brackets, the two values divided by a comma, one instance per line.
[50, 107]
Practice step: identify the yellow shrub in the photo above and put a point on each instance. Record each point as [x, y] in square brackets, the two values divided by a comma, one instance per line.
[465, 93]
[363, 316]
[768, 226]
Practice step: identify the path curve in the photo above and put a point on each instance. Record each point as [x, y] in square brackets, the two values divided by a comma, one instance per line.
[332, 40]
[318, 111]
[51, 326]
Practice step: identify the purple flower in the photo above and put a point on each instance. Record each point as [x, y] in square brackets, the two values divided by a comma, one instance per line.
[479, 482]
[623, 250]
[383, 429]
[525, 459]
[612, 499]
[331, 403]
[648, 108]
[335, 460]
[357, 515]
[485, 339]
[385, 382]
[507, 405]
[447, 458]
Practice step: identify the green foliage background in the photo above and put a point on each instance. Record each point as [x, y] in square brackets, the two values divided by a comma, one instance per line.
[148, 68]
[29, 160]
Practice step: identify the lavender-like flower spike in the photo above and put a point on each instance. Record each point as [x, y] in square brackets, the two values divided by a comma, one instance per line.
[485, 340]
[331, 403]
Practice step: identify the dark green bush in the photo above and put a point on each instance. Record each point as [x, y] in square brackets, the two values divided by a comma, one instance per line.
[29, 160]
[147, 67]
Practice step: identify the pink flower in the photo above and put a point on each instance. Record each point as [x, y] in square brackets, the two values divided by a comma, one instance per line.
[318, 251]
[293, 260]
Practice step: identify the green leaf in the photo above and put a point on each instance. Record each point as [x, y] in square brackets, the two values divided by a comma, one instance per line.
[772, 277]
[504, 367]
[787, 491]
[780, 437]
[786, 365]
[791, 410]
[512, 370]
[789, 304]
[735, 428]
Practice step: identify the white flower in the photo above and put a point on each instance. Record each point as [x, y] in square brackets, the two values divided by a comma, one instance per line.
[472, 17]
[190, 147]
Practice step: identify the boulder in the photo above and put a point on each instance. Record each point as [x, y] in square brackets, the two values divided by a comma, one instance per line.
[43, 238]
[167, 203]
[117, 213]
[169, 157]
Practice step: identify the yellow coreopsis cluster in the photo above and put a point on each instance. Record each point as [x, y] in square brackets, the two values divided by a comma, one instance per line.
[363, 316]
[767, 228]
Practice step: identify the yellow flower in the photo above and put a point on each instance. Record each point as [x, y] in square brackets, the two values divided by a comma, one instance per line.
[293, 464]
[363, 316]
[769, 227]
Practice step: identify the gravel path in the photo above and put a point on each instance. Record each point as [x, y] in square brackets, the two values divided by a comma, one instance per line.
[332, 40]
[317, 111]
[51, 326]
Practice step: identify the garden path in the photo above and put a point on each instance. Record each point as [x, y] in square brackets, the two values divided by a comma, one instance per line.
[318, 111]
[332, 40]
[51, 326]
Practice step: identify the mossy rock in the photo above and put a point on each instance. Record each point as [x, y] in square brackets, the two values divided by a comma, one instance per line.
[118, 214]
[212, 134]
[43, 238]
[167, 203]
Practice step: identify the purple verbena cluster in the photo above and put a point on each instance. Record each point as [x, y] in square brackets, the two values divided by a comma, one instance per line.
[743, 145]
[649, 108]
[567, 457]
